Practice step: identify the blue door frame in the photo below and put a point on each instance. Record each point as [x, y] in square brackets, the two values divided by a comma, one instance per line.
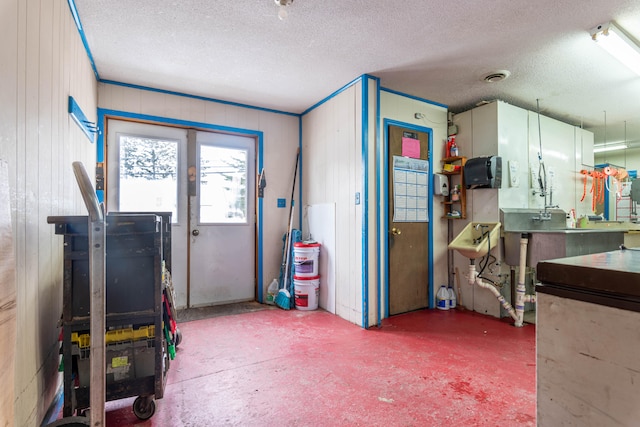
[385, 214]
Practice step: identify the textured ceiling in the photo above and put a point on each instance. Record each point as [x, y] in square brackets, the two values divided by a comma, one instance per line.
[439, 50]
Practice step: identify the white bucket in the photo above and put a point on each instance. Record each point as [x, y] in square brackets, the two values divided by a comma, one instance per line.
[306, 292]
[305, 259]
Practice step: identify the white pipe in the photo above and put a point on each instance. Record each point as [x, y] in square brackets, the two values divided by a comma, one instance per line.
[530, 298]
[520, 288]
[473, 278]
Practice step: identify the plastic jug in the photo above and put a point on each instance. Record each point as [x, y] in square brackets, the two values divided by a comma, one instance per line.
[442, 298]
[272, 291]
[452, 297]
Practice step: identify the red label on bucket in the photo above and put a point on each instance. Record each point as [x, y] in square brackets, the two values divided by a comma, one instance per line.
[302, 300]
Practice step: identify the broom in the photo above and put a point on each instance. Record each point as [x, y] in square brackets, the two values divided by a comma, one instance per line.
[283, 299]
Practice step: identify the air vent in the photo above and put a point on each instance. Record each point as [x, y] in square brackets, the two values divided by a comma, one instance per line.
[496, 76]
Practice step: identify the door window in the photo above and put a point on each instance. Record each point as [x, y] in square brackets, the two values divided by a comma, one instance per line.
[223, 185]
[148, 175]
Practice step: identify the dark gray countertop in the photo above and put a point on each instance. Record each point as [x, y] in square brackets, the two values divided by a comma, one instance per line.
[571, 231]
[608, 278]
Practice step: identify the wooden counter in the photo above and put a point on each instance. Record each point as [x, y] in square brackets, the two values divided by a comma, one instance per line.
[588, 340]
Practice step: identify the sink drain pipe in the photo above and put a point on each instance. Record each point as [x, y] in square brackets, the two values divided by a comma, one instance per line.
[473, 278]
[518, 313]
[521, 289]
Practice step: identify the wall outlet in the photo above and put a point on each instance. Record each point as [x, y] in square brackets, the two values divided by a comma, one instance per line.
[282, 203]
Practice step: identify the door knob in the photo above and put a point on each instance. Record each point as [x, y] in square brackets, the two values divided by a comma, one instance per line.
[396, 231]
[195, 232]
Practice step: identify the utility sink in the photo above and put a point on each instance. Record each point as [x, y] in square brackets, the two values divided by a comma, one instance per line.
[475, 240]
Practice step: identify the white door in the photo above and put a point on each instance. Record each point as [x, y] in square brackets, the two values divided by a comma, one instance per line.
[213, 236]
[146, 172]
[222, 221]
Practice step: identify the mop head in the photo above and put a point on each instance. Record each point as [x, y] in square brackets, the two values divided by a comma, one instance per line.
[283, 299]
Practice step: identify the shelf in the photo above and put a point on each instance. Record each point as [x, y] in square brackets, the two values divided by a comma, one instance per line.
[455, 178]
[453, 159]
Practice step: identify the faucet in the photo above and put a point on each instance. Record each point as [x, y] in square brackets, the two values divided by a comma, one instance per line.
[483, 232]
[546, 215]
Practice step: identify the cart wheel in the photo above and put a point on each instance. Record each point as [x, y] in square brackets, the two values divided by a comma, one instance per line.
[144, 407]
[178, 337]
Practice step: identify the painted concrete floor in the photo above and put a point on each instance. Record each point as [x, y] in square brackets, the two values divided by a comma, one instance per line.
[294, 368]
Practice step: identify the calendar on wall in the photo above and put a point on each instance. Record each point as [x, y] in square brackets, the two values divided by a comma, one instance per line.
[410, 189]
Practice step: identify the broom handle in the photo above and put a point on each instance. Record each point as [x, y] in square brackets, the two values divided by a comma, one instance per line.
[293, 187]
[287, 245]
[288, 257]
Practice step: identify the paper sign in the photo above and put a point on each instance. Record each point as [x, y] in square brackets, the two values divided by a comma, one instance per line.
[410, 147]
[410, 190]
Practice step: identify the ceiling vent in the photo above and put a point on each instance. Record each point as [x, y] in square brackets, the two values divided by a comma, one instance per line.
[496, 76]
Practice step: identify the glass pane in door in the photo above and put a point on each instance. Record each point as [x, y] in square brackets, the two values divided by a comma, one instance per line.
[148, 175]
[223, 185]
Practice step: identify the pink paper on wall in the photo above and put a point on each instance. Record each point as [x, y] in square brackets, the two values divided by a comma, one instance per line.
[410, 148]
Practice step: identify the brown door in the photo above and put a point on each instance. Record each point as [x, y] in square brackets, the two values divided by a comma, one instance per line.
[408, 241]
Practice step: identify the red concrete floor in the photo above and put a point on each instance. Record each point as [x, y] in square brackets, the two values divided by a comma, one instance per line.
[295, 368]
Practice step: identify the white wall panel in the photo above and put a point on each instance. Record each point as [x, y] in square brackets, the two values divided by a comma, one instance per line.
[43, 63]
[280, 141]
[332, 173]
[558, 154]
[512, 136]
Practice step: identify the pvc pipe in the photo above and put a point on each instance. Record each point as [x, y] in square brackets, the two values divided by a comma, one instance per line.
[473, 278]
[530, 298]
[521, 289]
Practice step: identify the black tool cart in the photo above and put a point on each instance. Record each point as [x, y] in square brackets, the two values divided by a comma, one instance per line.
[140, 328]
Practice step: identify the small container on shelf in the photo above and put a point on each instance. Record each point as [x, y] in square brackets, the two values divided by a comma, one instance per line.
[455, 194]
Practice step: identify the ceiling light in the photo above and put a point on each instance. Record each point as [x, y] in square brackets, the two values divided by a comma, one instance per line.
[618, 44]
[282, 9]
[606, 147]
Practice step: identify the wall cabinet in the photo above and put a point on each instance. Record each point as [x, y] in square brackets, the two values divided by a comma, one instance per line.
[455, 204]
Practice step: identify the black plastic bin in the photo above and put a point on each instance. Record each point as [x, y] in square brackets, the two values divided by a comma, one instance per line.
[137, 360]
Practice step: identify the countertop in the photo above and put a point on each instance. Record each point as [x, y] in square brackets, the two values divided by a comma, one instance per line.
[608, 278]
[570, 231]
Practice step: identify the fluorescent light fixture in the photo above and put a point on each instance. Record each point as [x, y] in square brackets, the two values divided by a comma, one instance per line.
[606, 147]
[614, 40]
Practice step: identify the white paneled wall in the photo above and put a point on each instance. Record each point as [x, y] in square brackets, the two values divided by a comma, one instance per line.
[43, 62]
[560, 145]
[280, 142]
[332, 173]
[403, 109]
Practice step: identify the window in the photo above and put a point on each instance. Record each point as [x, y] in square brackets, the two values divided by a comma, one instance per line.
[223, 185]
[148, 175]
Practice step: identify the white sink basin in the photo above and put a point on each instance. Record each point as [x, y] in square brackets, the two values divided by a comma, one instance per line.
[476, 238]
